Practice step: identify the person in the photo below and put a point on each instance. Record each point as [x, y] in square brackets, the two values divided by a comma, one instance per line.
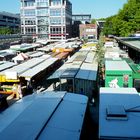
[19, 90]
[14, 89]
[54, 86]
[82, 91]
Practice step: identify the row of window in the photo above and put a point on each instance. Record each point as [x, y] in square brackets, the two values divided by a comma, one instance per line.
[55, 2]
[31, 12]
[28, 12]
[29, 30]
[57, 30]
[57, 21]
[40, 3]
[28, 3]
[32, 21]
[43, 29]
[32, 30]
[43, 21]
[43, 12]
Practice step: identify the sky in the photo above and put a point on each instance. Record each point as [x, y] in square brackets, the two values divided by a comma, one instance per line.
[97, 8]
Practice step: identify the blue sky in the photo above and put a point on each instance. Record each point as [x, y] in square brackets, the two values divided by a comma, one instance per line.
[97, 8]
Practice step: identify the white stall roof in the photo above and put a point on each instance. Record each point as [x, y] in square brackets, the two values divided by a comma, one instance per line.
[38, 116]
[116, 128]
[46, 48]
[90, 57]
[70, 60]
[119, 90]
[40, 67]
[24, 66]
[6, 65]
[117, 65]
[44, 42]
[35, 54]
[88, 71]
[36, 45]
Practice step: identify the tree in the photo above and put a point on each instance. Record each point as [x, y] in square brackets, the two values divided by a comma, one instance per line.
[93, 21]
[5, 30]
[126, 22]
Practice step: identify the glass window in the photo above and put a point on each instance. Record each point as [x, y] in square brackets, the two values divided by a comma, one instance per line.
[30, 30]
[30, 21]
[29, 3]
[42, 30]
[42, 3]
[55, 2]
[55, 30]
[42, 12]
[42, 21]
[55, 21]
[30, 12]
[55, 12]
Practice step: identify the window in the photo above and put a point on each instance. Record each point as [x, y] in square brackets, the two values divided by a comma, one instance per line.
[42, 21]
[55, 21]
[55, 30]
[55, 12]
[28, 3]
[42, 12]
[42, 3]
[30, 30]
[55, 2]
[29, 12]
[30, 21]
[22, 30]
[42, 30]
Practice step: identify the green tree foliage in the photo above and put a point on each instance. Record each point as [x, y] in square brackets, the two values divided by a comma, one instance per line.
[5, 30]
[100, 49]
[93, 21]
[126, 22]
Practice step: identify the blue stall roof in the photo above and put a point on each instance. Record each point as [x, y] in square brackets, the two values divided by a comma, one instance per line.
[124, 127]
[38, 116]
[88, 71]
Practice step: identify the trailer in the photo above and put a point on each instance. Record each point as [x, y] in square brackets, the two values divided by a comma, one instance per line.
[119, 114]
[118, 74]
[87, 76]
[136, 75]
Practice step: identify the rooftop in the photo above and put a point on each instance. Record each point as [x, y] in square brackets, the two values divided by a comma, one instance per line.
[117, 66]
[116, 128]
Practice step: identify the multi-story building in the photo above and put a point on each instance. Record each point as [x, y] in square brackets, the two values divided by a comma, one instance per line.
[88, 31]
[49, 19]
[81, 17]
[9, 20]
[78, 19]
[100, 24]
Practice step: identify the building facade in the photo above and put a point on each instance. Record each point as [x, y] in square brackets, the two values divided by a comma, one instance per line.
[88, 31]
[9, 20]
[78, 19]
[81, 17]
[49, 19]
